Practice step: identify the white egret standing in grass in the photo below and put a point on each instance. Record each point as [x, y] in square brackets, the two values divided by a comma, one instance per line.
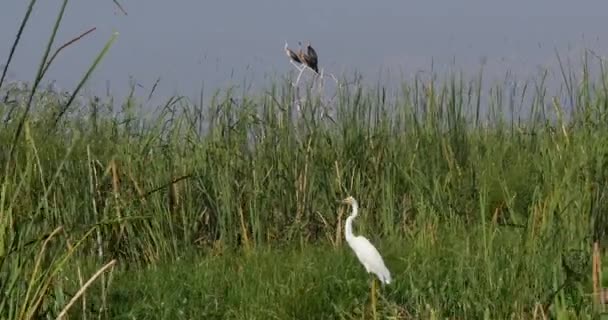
[367, 254]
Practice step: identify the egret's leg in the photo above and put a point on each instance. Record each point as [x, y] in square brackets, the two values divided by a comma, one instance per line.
[374, 297]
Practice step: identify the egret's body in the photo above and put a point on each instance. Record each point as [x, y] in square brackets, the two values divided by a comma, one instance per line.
[367, 254]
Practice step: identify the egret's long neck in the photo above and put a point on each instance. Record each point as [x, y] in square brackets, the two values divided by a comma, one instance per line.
[348, 228]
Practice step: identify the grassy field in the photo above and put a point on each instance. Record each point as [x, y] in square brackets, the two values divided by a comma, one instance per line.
[227, 209]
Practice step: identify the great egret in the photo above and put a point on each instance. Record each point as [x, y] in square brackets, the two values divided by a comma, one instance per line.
[367, 254]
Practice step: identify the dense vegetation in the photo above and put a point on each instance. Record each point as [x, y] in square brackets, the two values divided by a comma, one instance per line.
[228, 208]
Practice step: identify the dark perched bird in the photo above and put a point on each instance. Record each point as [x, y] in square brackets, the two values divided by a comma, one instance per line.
[292, 55]
[310, 59]
[312, 54]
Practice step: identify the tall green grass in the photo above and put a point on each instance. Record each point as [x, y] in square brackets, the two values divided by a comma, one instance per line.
[484, 201]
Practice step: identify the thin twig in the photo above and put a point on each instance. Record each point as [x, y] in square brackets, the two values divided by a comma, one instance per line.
[120, 7]
[65, 45]
[37, 264]
[97, 60]
[300, 69]
[190, 175]
[17, 39]
[153, 88]
[84, 288]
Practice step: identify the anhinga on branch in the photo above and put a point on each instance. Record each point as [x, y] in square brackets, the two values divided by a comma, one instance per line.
[309, 58]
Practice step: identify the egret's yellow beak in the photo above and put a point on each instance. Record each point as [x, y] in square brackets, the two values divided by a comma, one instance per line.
[346, 200]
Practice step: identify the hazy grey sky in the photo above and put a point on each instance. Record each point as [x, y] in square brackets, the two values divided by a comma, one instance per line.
[188, 42]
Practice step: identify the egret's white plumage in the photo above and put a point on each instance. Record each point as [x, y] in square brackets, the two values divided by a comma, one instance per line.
[364, 250]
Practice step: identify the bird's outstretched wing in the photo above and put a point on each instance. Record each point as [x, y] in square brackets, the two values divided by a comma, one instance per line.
[292, 55]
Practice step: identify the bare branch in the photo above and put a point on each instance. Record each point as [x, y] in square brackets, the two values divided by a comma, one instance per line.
[84, 288]
[65, 45]
[120, 7]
